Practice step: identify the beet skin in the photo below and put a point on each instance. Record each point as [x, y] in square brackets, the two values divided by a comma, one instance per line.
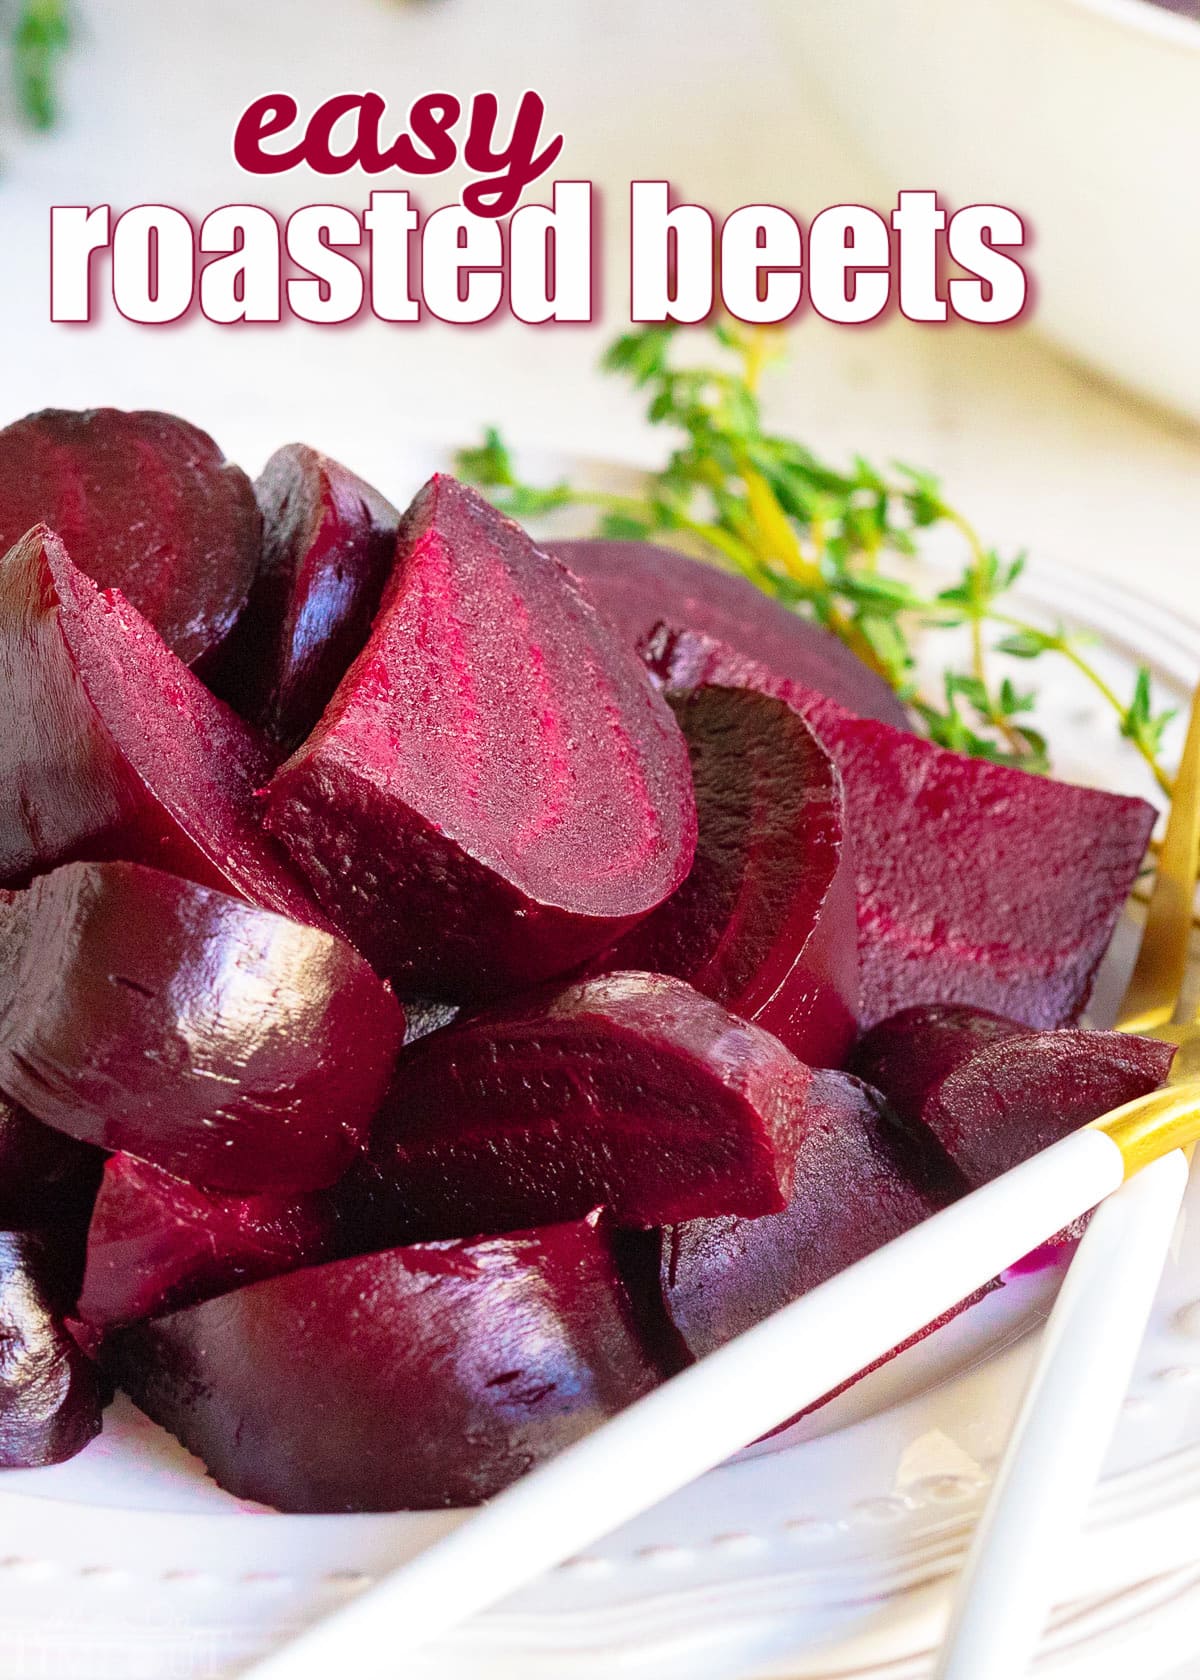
[639, 585]
[977, 883]
[765, 922]
[226, 1044]
[989, 1093]
[111, 748]
[630, 1091]
[409, 1380]
[156, 1243]
[495, 791]
[328, 544]
[50, 1392]
[146, 504]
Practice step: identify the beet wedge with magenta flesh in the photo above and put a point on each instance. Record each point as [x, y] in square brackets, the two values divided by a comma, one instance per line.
[495, 792]
[50, 1392]
[226, 1044]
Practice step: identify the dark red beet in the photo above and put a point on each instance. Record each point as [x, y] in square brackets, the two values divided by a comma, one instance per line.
[495, 791]
[146, 504]
[328, 544]
[418, 1378]
[765, 922]
[50, 1393]
[992, 1093]
[639, 585]
[156, 1243]
[111, 747]
[226, 1044]
[976, 883]
[629, 1091]
[46, 1178]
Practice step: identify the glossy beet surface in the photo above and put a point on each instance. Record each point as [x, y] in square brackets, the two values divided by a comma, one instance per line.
[46, 1178]
[976, 883]
[156, 1243]
[858, 1183]
[111, 748]
[765, 922]
[145, 504]
[328, 544]
[412, 1379]
[495, 791]
[226, 1044]
[50, 1393]
[992, 1094]
[640, 585]
[631, 1091]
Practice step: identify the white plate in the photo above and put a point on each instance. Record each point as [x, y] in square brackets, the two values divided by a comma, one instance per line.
[826, 1552]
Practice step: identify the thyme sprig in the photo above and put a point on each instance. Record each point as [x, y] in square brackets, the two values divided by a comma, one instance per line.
[834, 543]
[39, 34]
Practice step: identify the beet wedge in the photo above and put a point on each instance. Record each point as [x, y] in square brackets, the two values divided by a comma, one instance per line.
[629, 1091]
[111, 748]
[228, 1045]
[989, 1093]
[328, 544]
[46, 1178]
[495, 791]
[157, 1243]
[146, 504]
[640, 585]
[50, 1392]
[976, 883]
[410, 1380]
[765, 923]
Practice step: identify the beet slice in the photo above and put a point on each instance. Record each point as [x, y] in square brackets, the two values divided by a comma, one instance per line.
[328, 544]
[495, 791]
[111, 748]
[156, 1243]
[976, 883]
[765, 922]
[147, 504]
[50, 1392]
[226, 1044]
[990, 1093]
[418, 1378]
[639, 585]
[630, 1091]
[46, 1178]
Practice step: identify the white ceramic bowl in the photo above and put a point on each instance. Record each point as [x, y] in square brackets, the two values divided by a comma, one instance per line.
[1084, 115]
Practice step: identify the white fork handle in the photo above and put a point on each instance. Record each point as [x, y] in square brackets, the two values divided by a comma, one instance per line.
[1066, 1421]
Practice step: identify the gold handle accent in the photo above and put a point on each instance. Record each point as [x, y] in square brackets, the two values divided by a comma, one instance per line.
[1154, 1125]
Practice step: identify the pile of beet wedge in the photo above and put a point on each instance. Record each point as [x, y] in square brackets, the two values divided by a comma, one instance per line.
[446, 986]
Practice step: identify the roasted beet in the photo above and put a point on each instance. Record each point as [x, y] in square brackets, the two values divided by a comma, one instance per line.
[111, 748]
[629, 1091]
[145, 504]
[976, 883]
[495, 791]
[328, 543]
[639, 585]
[50, 1393]
[156, 1243]
[226, 1044]
[46, 1178]
[417, 1378]
[765, 922]
[990, 1092]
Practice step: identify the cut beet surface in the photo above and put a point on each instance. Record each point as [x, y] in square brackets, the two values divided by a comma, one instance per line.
[417, 1378]
[146, 504]
[328, 544]
[46, 1178]
[156, 1243]
[630, 1091]
[639, 585]
[50, 1393]
[111, 748]
[765, 922]
[495, 791]
[976, 883]
[226, 1044]
[990, 1093]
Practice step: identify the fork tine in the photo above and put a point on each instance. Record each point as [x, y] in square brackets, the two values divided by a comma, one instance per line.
[1154, 991]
